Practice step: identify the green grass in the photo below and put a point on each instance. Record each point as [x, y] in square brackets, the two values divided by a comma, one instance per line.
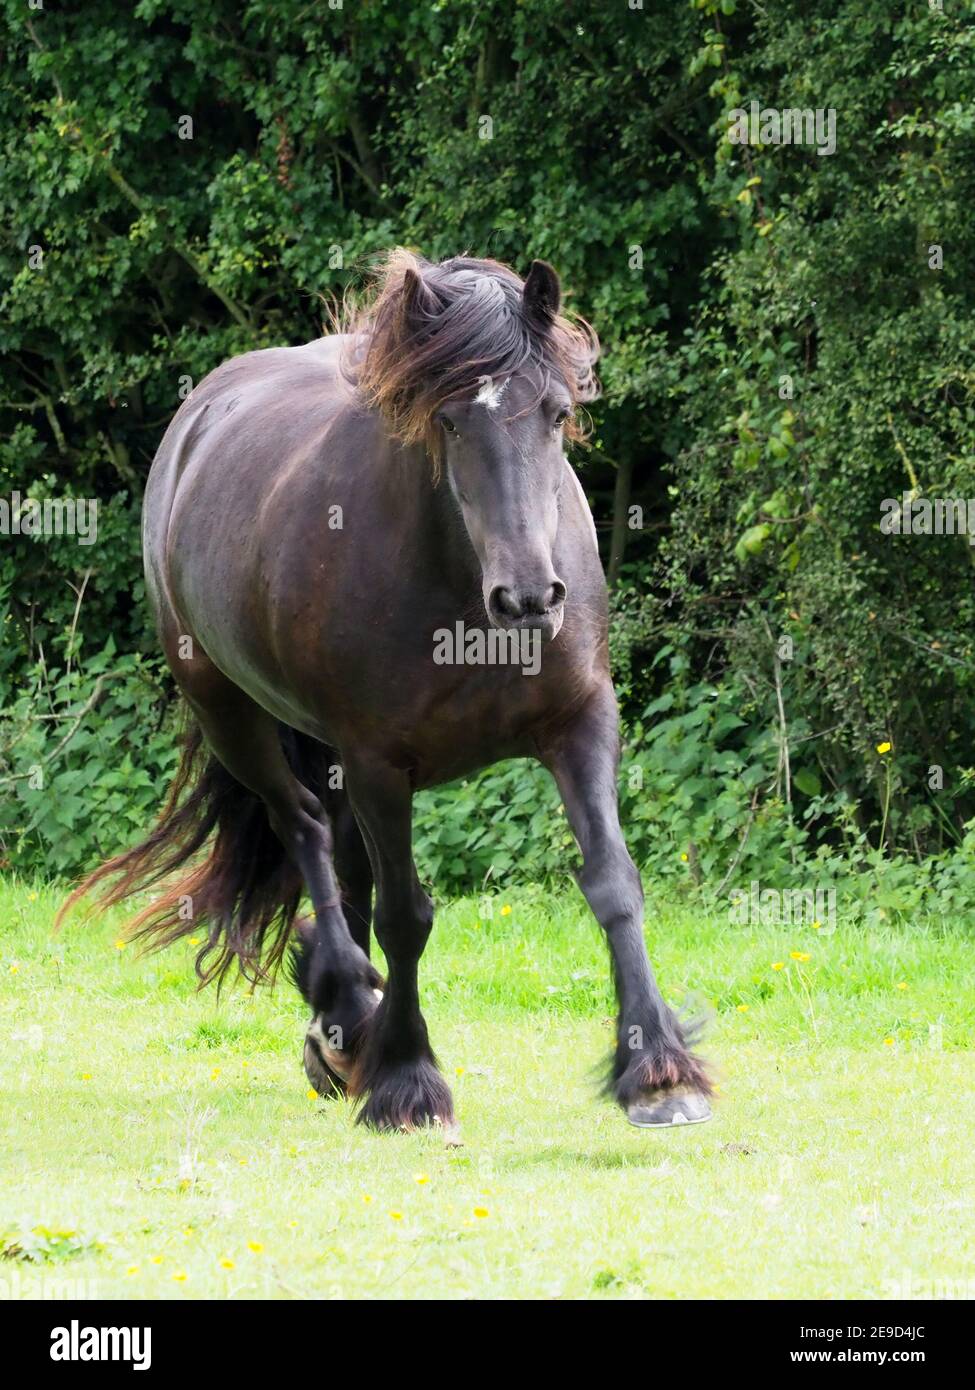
[151, 1132]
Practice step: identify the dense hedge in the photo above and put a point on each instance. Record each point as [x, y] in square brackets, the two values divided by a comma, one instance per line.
[788, 341]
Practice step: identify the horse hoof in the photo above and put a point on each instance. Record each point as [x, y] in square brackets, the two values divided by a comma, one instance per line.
[320, 1076]
[327, 1068]
[667, 1110]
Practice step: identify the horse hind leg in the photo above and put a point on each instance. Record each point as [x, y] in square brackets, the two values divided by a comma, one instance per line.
[338, 982]
[328, 1067]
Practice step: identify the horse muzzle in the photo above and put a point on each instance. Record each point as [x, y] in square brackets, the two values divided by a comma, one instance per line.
[540, 607]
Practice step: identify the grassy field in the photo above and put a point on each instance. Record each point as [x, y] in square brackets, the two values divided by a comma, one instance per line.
[159, 1144]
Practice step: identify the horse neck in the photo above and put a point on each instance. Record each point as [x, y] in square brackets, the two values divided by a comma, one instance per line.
[423, 509]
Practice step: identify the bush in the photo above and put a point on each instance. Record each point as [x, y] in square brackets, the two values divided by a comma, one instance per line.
[85, 756]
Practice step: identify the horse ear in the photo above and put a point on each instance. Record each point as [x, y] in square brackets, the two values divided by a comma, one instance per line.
[543, 293]
[412, 285]
[415, 299]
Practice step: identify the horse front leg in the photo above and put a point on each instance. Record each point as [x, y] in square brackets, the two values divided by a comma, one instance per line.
[396, 1071]
[653, 1076]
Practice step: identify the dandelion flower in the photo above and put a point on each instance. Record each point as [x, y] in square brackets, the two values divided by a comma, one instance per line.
[121, 944]
[157, 1259]
[195, 940]
[256, 1246]
[396, 1215]
[481, 1213]
[778, 965]
[683, 858]
[132, 1271]
[226, 1263]
[506, 911]
[799, 955]
[459, 1071]
[420, 1178]
[902, 985]
[742, 1008]
[366, 1198]
[180, 1276]
[311, 1093]
[86, 1076]
[883, 748]
[888, 1042]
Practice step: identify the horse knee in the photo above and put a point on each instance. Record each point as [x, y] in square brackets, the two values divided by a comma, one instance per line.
[612, 887]
[403, 929]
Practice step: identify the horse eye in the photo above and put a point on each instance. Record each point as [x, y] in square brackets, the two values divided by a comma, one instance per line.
[561, 418]
[448, 425]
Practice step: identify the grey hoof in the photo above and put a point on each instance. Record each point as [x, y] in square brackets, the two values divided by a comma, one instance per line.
[451, 1133]
[667, 1110]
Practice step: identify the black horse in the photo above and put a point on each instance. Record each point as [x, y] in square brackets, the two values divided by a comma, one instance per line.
[315, 520]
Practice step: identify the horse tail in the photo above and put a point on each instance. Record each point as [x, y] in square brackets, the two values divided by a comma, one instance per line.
[244, 894]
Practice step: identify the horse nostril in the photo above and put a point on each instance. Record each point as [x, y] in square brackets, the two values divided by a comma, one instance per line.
[538, 602]
[504, 603]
